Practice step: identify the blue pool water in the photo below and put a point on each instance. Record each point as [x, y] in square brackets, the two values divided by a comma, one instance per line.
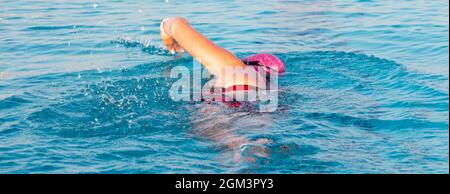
[84, 87]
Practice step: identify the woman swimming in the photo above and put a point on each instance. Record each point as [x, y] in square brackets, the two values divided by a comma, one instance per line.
[179, 36]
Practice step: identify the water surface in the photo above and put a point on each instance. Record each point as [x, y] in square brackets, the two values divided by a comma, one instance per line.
[84, 87]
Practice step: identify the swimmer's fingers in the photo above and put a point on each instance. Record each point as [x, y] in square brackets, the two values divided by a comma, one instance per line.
[173, 46]
[168, 41]
[178, 48]
[169, 44]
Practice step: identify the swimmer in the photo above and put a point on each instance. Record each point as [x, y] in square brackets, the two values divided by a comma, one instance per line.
[179, 37]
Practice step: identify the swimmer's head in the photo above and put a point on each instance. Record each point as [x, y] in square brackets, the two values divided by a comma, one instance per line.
[266, 60]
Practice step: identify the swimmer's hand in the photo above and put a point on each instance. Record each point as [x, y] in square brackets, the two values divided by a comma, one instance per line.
[167, 40]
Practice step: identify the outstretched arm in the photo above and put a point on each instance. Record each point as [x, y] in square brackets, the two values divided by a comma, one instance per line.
[178, 35]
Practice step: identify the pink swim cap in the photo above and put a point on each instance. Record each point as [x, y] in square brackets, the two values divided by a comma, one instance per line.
[266, 60]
